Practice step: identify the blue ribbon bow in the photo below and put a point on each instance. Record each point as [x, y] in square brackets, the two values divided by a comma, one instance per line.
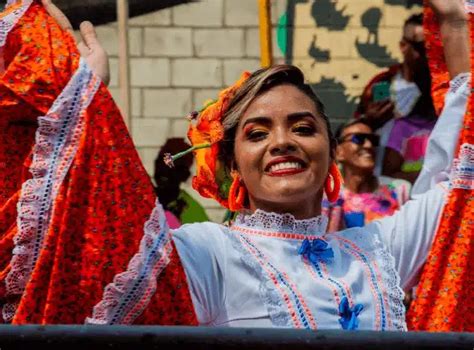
[349, 315]
[316, 250]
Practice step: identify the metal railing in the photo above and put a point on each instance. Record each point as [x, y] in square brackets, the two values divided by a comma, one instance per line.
[144, 338]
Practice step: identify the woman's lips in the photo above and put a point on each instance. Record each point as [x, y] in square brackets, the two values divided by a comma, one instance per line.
[286, 172]
[285, 167]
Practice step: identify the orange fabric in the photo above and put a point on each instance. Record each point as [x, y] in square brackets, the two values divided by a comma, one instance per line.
[444, 299]
[102, 203]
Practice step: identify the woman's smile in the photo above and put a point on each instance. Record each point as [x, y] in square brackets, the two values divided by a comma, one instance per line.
[285, 166]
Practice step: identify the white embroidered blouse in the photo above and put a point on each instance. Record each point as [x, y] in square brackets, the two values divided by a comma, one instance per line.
[270, 270]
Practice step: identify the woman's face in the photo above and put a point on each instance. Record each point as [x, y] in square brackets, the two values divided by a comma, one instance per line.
[356, 155]
[282, 151]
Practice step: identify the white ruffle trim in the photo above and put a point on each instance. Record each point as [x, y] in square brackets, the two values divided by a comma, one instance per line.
[391, 281]
[469, 6]
[261, 220]
[277, 310]
[8, 22]
[130, 292]
[462, 80]
[57, 140]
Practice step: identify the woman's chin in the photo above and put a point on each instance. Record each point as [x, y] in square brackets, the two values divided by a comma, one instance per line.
[288, 192]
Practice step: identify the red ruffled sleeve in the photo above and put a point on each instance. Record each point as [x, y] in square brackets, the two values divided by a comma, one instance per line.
[74, 196]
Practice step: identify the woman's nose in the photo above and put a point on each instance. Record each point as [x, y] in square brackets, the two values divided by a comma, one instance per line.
[367, 144]
[282, 143]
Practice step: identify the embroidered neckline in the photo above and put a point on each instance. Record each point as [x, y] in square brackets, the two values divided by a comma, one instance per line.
[281, 223]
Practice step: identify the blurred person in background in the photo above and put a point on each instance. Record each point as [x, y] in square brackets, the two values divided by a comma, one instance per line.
[365, 196]
[399, 107]
[180, 207]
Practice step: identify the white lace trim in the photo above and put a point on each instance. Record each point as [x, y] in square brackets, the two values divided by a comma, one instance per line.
[391, 281]
[277, 310]
[57, 140]
[261, 220]
[130, 292]
[8, 22]
[459, 81]
[469, 6]
[462, 174]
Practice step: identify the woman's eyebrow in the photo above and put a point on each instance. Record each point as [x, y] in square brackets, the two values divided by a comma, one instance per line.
[257, 120]
[301, 115]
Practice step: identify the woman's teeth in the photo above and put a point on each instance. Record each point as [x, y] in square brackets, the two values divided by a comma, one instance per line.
[285, 166]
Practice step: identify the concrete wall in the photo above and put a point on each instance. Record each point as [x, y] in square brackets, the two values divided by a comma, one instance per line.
[182, 56]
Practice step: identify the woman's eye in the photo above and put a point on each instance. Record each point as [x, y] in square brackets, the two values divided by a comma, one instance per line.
[256, 135]
[304, 129]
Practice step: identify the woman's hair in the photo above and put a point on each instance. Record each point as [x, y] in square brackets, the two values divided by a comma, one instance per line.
[258, 83]
[168, 180]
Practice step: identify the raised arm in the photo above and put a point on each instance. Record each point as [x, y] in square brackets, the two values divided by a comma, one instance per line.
[409, 233]
[441, 148]
[453, 21]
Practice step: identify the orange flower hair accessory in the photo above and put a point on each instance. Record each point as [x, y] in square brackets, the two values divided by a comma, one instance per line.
[212, 179]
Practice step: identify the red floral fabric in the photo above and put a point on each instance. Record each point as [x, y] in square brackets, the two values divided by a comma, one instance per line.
[103, 202]
[444, 300]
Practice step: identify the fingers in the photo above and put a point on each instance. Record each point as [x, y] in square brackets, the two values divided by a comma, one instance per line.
[58, 15]
[387, 107]
[89, 35]
[380, 105]
[83, 49]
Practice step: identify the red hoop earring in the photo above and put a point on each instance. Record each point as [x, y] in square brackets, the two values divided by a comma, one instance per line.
[237, 194]
[333, 183]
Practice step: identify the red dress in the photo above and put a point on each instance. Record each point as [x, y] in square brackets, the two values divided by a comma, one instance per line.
[444, 300]
[74, 197]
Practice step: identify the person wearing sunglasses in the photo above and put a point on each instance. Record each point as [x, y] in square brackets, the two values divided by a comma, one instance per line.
[364, 197]
[398, 105]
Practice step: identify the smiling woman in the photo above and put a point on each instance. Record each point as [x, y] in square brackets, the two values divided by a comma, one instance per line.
[263, 149]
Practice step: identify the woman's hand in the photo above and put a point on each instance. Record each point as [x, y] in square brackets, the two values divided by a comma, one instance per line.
[378, 113]
[453, 21]
[89, 48]
[449, 9]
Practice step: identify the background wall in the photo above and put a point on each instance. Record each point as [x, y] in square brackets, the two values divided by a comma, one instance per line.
[341, 44]
[184, 55]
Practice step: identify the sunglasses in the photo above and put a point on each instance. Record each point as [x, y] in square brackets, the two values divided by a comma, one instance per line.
[359, 139]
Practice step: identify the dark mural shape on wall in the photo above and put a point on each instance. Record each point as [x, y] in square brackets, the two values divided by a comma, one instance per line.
[326, 14]
[339, 105]
[319, 55]
[407, 3]
[331, 15]
[371, 50]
